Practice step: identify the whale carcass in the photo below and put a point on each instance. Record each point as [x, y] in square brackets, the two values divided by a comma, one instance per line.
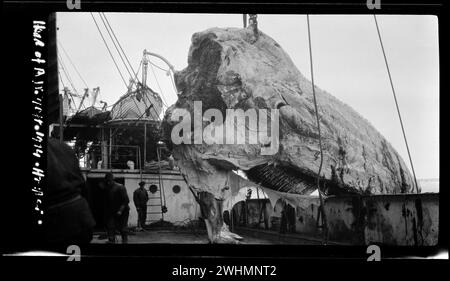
[231, 68]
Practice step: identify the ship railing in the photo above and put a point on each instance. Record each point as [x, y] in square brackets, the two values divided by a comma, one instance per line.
[112, 157]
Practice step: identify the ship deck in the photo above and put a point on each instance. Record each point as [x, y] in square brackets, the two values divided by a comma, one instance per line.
[250, 236]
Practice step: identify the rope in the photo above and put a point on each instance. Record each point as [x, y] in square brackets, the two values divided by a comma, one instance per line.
[159, 67]
[69, 80]
[157, 82]
[120, 46]
[396, 103]
[109, 51]
[82, 100]
[171, 79]
[115, 46]
[167, 71]
[137, 73]
[324, 220]
[73, 65]
[66, 74]
[64, 86]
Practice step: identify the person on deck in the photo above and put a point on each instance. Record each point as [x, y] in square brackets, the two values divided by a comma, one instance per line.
[140, 199]
[117, 209]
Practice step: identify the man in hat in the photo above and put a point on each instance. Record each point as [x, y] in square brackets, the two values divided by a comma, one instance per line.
[117, 209]
[140, 198]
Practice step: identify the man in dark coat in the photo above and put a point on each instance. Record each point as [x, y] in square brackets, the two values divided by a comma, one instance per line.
[68, 217]
[117, 209]
[140, 199]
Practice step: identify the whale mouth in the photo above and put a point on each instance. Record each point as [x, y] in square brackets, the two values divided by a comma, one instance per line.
[290, 179]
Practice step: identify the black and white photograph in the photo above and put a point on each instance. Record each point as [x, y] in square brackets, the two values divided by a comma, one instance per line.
[154, 128]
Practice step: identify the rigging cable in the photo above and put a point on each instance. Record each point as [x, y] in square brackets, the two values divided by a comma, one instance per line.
[159, 67]
[76, 70]
[324, 219]
[120, 46]
[157, 82]
[396, 103]
[137, 73]
[63, 67]
[170, 67]
[131, 67]
[114, 38]
[127, 60]
[60, 60]
[121, 57]
[64, 87]
[112, 57]
[115, 46]
[73, 65]
[146, 96]
[109, 51]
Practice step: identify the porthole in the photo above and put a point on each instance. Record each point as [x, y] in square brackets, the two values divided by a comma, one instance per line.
[176, 189]
[153, 188]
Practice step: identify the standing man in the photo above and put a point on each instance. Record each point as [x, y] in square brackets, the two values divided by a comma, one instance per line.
[140, 199]
[117, 209]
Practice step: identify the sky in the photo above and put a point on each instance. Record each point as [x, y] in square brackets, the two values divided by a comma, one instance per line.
[348, 63]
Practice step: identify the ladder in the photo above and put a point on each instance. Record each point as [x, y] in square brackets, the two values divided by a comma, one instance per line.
[156, 205]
